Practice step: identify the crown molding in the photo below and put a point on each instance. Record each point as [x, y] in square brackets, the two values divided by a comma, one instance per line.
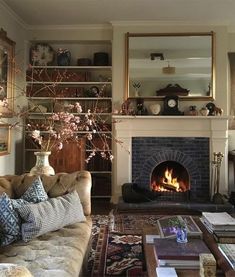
[18, 19]
[168, 23]
[107, 26]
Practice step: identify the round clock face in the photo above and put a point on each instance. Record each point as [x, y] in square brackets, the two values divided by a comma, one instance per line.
[171, 103]
[42, 54]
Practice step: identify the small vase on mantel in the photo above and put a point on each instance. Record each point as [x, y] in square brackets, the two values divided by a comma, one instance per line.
[42, 165]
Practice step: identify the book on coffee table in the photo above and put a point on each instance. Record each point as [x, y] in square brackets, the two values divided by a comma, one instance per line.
[180, 255]
[166, 272]
[168, 231]
[228, 250]
[221, 221]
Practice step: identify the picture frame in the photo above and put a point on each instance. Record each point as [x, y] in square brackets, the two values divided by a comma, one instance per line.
[5, 139]
[7, 74]
[167, 231]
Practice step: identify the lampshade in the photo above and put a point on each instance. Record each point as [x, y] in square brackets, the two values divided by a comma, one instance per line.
[168, 69]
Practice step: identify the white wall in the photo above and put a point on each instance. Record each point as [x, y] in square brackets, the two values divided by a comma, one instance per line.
[17, 33]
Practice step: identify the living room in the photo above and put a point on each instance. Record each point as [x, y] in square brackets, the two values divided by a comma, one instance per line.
[28, 23]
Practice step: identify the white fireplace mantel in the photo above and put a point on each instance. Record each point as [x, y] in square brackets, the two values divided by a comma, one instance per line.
[126, 127]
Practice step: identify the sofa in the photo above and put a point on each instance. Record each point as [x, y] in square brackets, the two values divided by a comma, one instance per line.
[63, 252]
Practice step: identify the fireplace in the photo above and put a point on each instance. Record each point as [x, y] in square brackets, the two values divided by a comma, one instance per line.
[174, 168]
[185, 140]
[170, 181]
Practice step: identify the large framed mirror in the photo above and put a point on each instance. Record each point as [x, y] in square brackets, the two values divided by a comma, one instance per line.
[7, 72]
[179, 64]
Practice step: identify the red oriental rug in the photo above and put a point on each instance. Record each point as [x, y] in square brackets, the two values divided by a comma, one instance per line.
[117, 245]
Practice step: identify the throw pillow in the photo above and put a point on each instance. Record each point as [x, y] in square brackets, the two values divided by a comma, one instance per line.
[34, 194]
[50, 215]
[9, 221]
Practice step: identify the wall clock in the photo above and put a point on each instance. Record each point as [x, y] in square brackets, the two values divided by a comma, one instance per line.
[42, 54]
[171, 106]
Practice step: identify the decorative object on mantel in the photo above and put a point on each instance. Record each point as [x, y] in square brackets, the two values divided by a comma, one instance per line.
[204, 111]
[217, 198]
[172, 90]
[213, 109]
[127, 108]
[218, 111]
[136, 86]
[42, 165]
[193, 110]
[155, 109]
[141, 109]
[171, 106]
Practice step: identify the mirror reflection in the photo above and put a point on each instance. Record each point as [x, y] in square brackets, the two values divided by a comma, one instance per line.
[7, 47]
[170, 64]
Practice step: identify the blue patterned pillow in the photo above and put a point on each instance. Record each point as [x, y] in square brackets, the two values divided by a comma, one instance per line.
[10, 223]
[34, 194]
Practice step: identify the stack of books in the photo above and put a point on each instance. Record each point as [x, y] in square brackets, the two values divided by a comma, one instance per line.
[179, 255]
[221, 225]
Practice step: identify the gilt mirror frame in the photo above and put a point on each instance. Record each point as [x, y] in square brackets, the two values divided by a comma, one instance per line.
[7, 74]
[157, 54]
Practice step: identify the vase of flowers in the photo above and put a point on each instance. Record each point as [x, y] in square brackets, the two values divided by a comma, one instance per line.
[181, 230]
[42, 165]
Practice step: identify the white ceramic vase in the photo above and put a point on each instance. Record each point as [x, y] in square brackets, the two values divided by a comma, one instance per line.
[42, 165]
[155, 109]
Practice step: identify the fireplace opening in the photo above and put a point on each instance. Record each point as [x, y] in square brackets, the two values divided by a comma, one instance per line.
[170, 179]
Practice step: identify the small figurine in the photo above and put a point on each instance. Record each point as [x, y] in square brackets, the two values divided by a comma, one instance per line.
[193, 110]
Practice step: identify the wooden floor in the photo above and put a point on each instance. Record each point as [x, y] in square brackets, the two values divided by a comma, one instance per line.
[101, 206]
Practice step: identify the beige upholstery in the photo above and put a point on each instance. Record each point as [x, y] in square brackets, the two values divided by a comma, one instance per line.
[61, 253]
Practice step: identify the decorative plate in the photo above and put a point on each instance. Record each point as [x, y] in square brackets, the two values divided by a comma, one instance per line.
[42, 54]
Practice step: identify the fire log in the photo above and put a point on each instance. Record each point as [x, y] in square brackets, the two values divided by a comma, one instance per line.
[169, 186]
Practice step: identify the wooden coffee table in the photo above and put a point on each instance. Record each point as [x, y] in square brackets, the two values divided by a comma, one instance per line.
[223, 267]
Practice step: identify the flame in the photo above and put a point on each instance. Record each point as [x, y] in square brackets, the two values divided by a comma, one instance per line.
[169, 180]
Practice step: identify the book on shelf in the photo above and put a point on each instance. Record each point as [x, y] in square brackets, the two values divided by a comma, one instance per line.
[168, 231]
[220, 221]
[228, 250]
[180, 255]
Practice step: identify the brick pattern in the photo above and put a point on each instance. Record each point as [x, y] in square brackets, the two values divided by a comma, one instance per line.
[192, 153]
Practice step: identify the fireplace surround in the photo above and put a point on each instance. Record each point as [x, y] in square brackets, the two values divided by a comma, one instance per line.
[213, 130]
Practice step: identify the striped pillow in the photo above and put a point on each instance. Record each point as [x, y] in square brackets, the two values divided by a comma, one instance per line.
[50, 215]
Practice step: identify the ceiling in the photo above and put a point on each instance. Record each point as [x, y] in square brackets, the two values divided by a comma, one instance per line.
[74, 12]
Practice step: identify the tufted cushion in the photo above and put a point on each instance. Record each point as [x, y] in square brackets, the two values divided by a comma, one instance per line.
[9, 221]
[5, 186]
[50, 215]
[34, 194]
[56, 185]
[59, 253]
[13, 270]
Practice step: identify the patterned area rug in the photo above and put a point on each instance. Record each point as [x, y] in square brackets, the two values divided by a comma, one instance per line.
[117, 244]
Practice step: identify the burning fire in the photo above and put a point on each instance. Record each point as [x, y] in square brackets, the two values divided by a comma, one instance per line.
[167, 182]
